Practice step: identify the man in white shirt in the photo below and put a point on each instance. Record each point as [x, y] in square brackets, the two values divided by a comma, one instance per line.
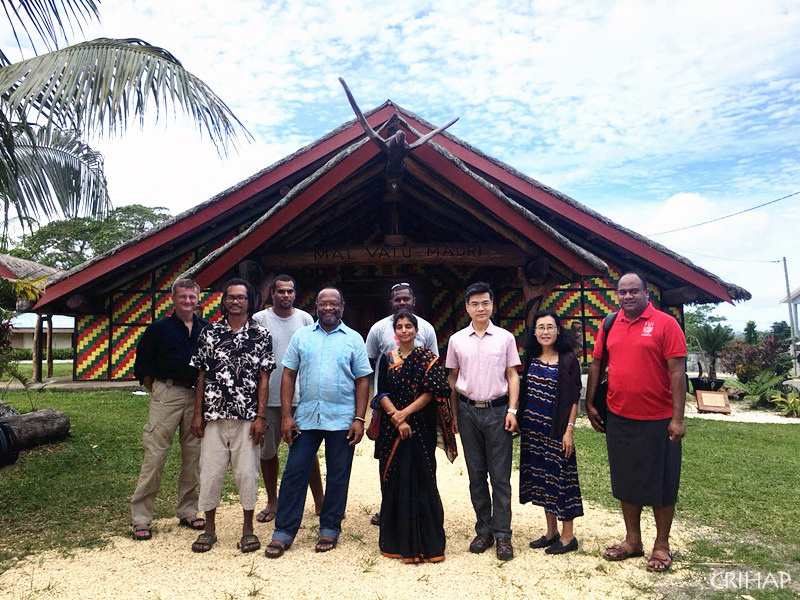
[282, 319]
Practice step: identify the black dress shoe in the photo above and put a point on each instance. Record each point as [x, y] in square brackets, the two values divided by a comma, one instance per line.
[543, 542]
[559, 548]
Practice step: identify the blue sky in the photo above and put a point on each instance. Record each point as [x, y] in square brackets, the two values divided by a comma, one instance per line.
[657, 114]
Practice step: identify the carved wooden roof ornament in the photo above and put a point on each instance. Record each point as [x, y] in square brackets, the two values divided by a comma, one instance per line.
[395, 147]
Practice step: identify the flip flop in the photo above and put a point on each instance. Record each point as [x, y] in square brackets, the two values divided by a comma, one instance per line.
[325, 544]
[621, 551]
[204, 542]
[196, 523]
[276, 545]
[145, 532]
[249, 543]
[376, 519]
[265, 516]
[659, 564]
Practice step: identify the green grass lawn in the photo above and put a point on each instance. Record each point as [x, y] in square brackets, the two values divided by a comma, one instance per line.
[741, 480]
[60, 369]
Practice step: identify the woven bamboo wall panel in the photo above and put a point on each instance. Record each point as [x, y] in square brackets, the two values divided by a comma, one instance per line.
[92, 346]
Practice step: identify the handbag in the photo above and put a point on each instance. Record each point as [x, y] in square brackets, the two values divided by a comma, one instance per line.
[600, 401]
[375, 424]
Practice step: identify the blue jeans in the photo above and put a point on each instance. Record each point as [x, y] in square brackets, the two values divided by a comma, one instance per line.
[294, 484]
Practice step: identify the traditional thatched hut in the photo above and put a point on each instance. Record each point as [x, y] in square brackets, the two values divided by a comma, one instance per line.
[331, 213]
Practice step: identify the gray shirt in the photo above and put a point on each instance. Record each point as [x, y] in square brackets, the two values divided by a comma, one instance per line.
[381, 339]
[281, 330]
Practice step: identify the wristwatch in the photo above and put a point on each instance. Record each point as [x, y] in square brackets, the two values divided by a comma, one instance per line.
[513, 411]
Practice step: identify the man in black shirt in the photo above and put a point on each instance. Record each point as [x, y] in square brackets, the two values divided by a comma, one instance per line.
[162, 366]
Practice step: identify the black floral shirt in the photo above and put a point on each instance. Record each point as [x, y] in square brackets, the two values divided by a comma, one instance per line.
[233, 362]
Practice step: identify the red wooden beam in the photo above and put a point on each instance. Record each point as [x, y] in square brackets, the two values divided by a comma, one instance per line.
[567, 211]
[491, 202]
[285, 215]
[209, 213]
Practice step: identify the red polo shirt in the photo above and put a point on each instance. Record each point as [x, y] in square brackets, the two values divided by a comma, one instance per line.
[638, 350]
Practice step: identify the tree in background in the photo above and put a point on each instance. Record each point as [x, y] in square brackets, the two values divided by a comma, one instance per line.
[67, 243]
[750, 333]
[711, 341]
[694, 320]
[49, 102]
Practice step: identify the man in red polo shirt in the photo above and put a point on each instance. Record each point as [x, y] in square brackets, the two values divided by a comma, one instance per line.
[646, 395]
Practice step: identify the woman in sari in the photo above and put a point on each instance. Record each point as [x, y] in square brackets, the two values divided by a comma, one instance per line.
[413, 404]
[548, 471]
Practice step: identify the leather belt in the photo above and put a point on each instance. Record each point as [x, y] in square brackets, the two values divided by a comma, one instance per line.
[502, 400]
[174, 382]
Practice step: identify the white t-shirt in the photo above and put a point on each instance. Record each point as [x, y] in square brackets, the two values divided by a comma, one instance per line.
[381, 339]
[281, 330]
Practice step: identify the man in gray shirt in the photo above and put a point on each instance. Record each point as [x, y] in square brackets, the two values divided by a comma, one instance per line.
[282, 319]
[381, 338]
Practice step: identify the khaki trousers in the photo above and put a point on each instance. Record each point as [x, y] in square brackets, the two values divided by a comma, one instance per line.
[228, 441]
[171, 409]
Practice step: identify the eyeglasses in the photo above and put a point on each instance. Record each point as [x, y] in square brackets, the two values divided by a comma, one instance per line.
[484, 304]
[397, 285]
[328, 304]
[239, 299]
[546, 328]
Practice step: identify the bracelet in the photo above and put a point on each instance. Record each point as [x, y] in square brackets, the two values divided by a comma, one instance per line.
[570, 424]
[513, 411]
[362, 419]
[261, 417]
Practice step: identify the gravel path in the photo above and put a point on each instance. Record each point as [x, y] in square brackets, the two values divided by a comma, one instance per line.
[166, 568]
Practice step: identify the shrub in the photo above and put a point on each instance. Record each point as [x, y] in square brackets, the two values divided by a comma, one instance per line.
[760, 389]
[748, 360]
[788, 405]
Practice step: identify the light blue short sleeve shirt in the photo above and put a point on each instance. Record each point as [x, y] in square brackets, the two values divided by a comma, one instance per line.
[327, 365]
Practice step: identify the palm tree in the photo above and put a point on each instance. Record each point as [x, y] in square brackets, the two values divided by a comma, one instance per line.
[52, 100]
[711, 341]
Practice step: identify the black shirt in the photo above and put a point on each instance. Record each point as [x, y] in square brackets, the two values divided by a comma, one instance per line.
[165, 349]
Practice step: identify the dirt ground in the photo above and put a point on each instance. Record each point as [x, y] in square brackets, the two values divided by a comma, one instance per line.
[165, 567]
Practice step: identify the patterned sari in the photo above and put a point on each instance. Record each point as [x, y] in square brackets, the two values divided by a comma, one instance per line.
[412, 518]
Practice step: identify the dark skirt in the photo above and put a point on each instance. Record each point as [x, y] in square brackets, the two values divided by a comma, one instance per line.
[412, 517]
[645, 465]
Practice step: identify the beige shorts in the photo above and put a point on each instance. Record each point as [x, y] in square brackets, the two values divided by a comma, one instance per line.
[224, 442]
[272, 436]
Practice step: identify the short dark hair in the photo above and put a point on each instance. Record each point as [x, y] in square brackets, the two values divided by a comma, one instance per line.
[404, 314]
[185, 283]
[282, 277]
[641, 277]
[532, 346]
[398, 287]
[479, 287]
[251, 294]
[330, 287]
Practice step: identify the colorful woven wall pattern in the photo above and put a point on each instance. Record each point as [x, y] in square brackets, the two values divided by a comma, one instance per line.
[211, 302]
[145, 282]
[165, 276]
[162, 305]
[92, 346]
[133, 307]
[123, 349]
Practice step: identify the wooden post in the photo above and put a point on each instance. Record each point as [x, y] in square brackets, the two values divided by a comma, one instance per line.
[37, 350]
[49, 352]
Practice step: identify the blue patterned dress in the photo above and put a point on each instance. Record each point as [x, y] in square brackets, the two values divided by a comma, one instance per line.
[546, 478]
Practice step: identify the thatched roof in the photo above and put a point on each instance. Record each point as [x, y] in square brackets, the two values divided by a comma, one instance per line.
[12, 267]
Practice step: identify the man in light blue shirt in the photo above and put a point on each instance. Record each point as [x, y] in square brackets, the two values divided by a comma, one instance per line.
[330, 361]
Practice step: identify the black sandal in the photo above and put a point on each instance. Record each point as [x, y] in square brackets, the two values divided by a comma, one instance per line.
[275, 544]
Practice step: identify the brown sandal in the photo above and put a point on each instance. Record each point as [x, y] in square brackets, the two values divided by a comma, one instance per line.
[621, 551]
[661, 563]
[325, 544]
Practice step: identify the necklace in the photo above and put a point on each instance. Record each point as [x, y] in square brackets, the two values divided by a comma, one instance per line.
[403, 356]
[549, 359]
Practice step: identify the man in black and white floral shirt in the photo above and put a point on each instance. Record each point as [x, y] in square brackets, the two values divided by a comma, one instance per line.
[234, 358]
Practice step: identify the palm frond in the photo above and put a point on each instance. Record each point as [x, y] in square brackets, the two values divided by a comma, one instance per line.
[96, 86]
[59, 176]
[46, 20]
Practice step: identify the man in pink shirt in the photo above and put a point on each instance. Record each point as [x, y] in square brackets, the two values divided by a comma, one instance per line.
[483, 361]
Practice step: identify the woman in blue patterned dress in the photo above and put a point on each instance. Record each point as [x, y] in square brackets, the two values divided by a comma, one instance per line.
[549, 404]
